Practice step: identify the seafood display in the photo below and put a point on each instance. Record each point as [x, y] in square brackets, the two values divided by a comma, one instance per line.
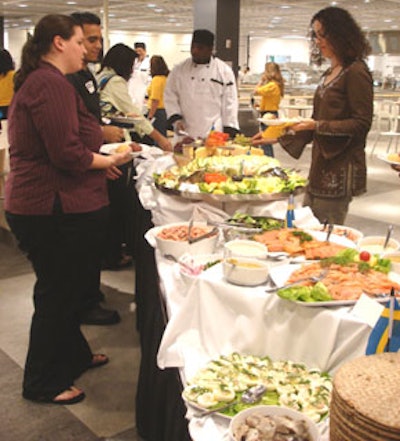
[261, 427]
[180, 233]
[346, 277]
[297, 242]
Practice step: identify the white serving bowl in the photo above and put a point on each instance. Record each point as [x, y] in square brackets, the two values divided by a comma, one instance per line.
[245, 271]
[245, 248]
[374, 245]
[177, 248]
[394, 258]
[273, 411]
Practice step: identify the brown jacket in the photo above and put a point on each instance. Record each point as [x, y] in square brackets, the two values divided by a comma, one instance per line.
[343, 111]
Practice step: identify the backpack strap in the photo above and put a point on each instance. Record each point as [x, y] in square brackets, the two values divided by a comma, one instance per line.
[104, 81]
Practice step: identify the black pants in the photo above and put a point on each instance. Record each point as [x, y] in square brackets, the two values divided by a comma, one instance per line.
[61, 248]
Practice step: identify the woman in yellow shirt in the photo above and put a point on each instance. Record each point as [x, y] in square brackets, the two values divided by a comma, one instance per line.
[6, 81]
[271, 88]
[159, 72]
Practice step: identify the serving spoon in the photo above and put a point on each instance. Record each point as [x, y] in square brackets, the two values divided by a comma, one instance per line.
[388, 235]
[250, 396]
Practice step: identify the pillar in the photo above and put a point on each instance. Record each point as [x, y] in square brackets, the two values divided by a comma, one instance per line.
[222, 17]
[2, 32]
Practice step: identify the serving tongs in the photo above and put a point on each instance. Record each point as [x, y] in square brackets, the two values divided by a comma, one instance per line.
[388, 235]
[329, 232]
[192, 239]
[236, 226]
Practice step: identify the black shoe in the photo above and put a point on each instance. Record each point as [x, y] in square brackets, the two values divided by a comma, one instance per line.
[125, 262]
[100, 316]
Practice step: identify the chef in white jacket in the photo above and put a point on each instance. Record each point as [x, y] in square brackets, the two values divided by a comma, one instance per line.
[201, 93]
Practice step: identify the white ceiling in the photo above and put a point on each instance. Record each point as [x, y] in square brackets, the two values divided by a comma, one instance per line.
[269, 18]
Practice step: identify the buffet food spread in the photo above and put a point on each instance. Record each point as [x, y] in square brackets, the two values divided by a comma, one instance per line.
[226, 337]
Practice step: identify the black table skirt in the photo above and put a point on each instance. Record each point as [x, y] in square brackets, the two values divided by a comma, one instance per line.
[160, 411]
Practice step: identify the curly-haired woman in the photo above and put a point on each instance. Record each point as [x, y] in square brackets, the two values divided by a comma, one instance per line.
[342, 116]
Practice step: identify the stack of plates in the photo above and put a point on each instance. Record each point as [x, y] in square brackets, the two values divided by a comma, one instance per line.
[365, 402]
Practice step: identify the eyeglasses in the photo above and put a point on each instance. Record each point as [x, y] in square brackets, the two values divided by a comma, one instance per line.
[317, 35]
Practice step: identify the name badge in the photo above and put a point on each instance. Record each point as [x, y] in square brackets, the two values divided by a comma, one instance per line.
[90, 87]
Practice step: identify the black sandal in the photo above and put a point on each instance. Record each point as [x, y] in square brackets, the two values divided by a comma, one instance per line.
[51, 399]
[98, 360]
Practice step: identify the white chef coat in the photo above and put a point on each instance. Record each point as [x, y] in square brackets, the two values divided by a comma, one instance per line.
[139, 81]
[205, 95]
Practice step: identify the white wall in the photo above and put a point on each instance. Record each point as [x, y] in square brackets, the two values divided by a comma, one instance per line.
[174, 48]
[13, 42]
[261, 48]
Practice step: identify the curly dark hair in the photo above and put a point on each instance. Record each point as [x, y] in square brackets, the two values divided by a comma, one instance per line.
[158, 66]
[343, 33]
[120, 58]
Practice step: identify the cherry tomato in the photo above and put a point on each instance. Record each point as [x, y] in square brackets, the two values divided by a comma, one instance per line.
[364, 256]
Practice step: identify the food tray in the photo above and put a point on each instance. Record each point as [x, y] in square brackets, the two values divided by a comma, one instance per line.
[230, 197]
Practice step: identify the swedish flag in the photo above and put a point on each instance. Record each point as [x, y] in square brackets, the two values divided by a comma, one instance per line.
[378, 340]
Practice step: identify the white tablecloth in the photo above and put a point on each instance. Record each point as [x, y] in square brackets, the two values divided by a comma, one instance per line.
[210, 317]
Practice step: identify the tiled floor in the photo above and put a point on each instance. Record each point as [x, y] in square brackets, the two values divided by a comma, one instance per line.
[108, 413]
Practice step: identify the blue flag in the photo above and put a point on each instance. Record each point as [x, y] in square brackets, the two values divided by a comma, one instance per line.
[378, 339]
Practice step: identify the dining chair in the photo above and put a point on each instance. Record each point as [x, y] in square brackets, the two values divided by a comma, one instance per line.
[386, 115]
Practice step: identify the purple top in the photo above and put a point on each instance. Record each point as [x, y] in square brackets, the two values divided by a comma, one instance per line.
[52, 137]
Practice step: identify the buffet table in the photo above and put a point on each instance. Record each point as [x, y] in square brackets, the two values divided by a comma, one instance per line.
[185, 324]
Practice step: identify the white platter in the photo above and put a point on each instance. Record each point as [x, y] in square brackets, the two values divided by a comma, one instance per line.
[384, 158]
[339, 230]
[230, 197]
[334, 238]
[280, 274]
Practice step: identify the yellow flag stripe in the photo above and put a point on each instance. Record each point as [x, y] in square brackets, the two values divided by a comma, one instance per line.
[383, 341]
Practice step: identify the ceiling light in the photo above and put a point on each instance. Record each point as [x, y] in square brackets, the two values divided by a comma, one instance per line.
[151, 5]
[71, 3]
[388, 20]
[158, 10]
[285, 7]
[22, 5]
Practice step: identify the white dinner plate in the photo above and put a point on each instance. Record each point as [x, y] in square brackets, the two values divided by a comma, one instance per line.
[281, 273]
[109, 149]
[384, 158]
[279, 121]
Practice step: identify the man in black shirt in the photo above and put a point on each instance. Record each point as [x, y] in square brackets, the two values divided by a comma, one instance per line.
[85, 83]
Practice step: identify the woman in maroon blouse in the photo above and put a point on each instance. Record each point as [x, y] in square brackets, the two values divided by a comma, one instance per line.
[56, 204]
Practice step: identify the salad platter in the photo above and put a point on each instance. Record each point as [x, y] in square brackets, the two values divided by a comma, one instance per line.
[231, 178]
